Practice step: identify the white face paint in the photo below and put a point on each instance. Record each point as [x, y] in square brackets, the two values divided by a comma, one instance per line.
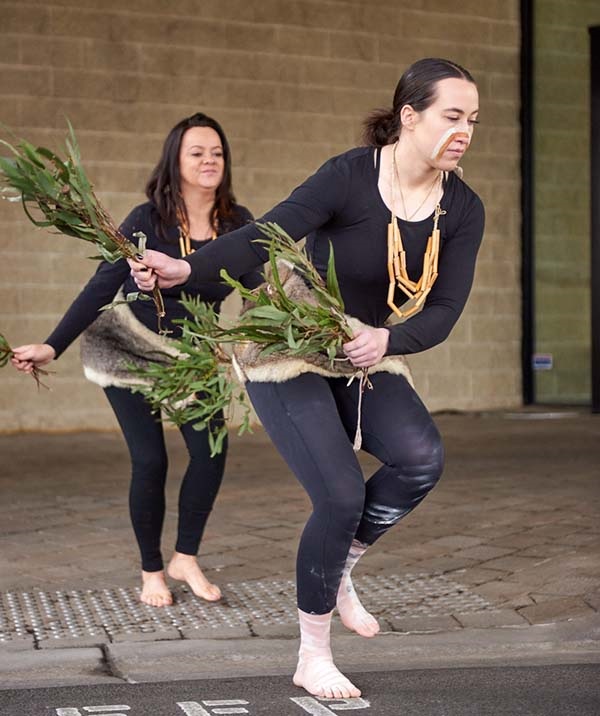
[446, 140]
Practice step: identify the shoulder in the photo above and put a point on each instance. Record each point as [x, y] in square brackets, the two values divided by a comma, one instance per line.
[143, 218]
[463, 203]
[352, 160]
[340, 173]
[461, 193]
[140, 214]
[240, 216]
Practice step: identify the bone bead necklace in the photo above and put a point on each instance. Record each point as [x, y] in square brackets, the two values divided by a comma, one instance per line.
[416, 291]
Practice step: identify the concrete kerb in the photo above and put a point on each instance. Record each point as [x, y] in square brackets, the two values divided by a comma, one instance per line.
[576, 641]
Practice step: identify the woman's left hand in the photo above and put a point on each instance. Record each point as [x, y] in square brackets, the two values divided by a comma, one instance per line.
[368, 346]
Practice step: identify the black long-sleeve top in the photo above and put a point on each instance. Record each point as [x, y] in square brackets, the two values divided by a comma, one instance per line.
[341, 204]
[104, 284]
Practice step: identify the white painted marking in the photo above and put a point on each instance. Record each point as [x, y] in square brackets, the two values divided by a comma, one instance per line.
[351, 704]
[100, 710]
[190, 708]
[231, 702]
[193, 708]
[316, 708]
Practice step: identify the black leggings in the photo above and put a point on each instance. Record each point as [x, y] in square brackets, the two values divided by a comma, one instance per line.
[312, 421]
[144, 435]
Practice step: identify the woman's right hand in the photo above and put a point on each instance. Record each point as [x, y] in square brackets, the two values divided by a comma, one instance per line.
[34, 355]
[158, 268]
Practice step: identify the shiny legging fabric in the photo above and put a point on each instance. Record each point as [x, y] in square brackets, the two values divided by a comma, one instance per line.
[312, 421]
[144, 436]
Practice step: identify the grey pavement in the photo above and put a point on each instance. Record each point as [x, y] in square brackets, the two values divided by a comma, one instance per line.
[501, 563]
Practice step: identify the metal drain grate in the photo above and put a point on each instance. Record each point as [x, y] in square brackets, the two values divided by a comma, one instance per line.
[116, 613]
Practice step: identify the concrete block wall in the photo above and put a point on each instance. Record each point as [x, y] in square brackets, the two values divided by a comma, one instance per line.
[290, 82]
[562, 189]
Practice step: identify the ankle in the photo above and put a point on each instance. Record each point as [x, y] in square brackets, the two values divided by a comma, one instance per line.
[356, 551]
[183, 558]
[358, 546]
[315, 630]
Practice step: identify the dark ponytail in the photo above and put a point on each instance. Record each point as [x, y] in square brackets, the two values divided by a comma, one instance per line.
[381, 127]
[417, 87]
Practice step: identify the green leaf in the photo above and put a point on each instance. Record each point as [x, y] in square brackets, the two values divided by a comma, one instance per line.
[332, 282]
[271, 313]
[292, 343]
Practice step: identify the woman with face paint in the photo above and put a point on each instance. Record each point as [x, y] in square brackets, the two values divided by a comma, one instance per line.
[405, 230]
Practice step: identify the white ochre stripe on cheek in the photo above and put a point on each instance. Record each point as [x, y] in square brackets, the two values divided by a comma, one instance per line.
[446, 140]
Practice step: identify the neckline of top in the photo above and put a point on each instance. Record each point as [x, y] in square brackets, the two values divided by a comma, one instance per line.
[377, 168]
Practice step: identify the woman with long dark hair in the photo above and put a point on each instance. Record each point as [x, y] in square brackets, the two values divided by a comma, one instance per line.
[190, 203]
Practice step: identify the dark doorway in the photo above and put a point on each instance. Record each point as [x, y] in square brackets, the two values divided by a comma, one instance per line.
[561, 267]
[595, 208]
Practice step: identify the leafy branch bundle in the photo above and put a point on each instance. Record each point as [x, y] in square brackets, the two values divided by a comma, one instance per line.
[61, 191]
[273, 321]
[280, 324]
[197, 386]
[6, 353]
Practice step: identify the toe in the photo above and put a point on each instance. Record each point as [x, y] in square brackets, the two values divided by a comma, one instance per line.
[208, 591]
[214, 593]
[156, 600]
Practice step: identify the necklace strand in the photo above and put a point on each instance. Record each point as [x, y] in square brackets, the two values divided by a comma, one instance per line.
[185, 241]
[416, 291]
[397, 178]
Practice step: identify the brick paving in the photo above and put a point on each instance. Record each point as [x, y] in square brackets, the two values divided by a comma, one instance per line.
[514, 522]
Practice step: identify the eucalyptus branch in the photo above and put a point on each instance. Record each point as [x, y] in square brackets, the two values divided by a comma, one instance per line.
[196, 387]
[6, 353]
[278, 323]
[56, 192]
[198, 384]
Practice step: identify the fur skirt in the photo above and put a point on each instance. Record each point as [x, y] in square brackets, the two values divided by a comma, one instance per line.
[116, 340]
[250, 365]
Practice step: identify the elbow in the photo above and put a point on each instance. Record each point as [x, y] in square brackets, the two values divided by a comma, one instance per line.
[438, 333]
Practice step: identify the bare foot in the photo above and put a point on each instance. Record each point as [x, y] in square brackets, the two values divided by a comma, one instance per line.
[352, 613]
[155, 591]
[185, 568]
[320, 677]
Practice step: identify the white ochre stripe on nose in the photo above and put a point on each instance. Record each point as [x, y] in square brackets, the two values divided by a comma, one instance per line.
[446, 140]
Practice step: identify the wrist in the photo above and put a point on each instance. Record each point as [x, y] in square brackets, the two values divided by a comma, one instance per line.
[50, 352]
[385, 339]
[186, 269]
